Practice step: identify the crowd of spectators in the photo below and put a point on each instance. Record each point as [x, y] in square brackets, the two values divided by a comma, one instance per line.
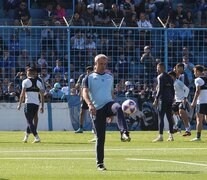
[127, 13]
[128, 51]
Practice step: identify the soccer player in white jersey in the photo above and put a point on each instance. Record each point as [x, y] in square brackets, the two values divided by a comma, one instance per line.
[180, 104]
[31, 88]
[200, 99]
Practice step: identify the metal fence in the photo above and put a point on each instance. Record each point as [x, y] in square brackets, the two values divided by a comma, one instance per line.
[62, 53]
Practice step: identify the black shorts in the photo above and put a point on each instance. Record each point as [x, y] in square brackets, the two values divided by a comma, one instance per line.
[179, 105]
[201, 108]
[84, 105]
[30, 110]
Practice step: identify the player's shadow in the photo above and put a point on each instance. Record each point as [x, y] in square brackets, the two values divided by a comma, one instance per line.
[3, 179]
[159, 172]
[175, 172]
[46, 142]
[9, 143]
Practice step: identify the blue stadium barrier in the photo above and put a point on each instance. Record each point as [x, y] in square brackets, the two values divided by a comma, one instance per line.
[76, 46]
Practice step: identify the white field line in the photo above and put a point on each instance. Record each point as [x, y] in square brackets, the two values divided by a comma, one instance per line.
[167, 161]
[45, 158]
[92, 150]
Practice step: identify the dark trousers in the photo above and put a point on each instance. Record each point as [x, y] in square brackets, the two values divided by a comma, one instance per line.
[100, 126]
[165, 108]
[30, 111]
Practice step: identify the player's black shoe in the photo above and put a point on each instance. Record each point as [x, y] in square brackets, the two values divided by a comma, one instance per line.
[125, 136]
[101, 167]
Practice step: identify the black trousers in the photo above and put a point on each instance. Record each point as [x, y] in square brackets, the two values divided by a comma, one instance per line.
[165, 107]
[30, 110]
[100, 126]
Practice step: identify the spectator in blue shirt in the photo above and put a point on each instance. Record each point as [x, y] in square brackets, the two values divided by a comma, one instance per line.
[7, 65]
[1, 92]
[2, 46]
[48, 12]
[122, 66]
[59, 68]
[173, 40]
[11, 95]
[14, 45]
[56, 92]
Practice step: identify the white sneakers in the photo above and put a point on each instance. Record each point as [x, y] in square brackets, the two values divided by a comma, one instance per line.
[160, 138]
[195, 139]
[170, 138]
[26, 137]
[93, 140]
[37, 139]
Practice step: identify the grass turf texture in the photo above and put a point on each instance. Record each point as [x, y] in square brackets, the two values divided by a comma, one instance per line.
[66, 155]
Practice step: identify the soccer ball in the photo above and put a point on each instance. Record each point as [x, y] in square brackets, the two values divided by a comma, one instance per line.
[129, 106]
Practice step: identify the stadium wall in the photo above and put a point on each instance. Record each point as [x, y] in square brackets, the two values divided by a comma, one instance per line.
[55, 117]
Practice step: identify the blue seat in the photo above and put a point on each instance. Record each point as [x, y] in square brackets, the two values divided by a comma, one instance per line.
[36, 13]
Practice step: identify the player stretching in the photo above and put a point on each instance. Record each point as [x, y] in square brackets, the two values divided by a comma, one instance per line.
[31, 88]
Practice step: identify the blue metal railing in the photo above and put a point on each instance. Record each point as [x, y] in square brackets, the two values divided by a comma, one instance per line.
[124, 46]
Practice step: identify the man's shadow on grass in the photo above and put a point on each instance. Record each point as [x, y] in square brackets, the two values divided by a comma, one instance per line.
[159, 172]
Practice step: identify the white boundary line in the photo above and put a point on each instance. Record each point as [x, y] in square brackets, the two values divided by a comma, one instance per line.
[46, 151]
[91, 150]
[43, 158]
[155, 149]
[167, 161]
[128, 159]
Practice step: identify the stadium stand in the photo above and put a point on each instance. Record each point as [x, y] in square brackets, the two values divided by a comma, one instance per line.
[95, 28]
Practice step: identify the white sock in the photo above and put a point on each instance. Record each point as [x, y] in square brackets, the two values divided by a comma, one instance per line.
[37, 137]
[187, 129]
[170, 135]
[175, 120]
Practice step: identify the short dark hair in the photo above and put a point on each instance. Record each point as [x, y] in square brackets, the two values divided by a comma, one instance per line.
[162, 64]
[180, 65]
[90, 68]
[172, 73]
[199, 68]
[32, 69]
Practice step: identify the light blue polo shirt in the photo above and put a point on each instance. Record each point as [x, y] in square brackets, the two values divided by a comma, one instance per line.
[100, 88]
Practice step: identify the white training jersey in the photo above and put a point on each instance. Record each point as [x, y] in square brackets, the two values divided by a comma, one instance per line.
[181, 90]
[202, 98]
[32, 97]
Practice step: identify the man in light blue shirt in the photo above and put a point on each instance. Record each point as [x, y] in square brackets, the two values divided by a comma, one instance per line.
[56, 92]
[98, 94]
[188, 68]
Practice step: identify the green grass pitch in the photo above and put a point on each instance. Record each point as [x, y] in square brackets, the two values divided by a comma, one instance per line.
[66, 155]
